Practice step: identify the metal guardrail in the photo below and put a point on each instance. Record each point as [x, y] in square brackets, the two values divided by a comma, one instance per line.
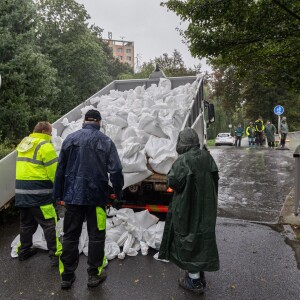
[297, 178]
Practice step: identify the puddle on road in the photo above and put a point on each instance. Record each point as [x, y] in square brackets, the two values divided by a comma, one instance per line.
[294, 244]
[253, 184]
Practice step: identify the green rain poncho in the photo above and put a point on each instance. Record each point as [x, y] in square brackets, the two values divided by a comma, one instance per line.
[189, 238]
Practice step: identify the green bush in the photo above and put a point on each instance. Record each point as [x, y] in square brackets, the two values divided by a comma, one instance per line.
[5, 148]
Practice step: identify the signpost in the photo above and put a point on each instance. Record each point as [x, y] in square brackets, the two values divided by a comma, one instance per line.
[278, 110]
[230, 126]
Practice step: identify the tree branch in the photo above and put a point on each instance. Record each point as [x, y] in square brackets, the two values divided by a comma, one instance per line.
[286, 9]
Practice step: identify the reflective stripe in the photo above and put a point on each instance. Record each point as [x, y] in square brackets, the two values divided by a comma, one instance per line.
[38, 148]
[48, 211]
[101, 218]
[103, 265]
[34, 161]
[50, 162]
[33, 192]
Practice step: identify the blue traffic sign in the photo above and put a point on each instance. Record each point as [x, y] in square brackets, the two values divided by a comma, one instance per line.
[278, 110]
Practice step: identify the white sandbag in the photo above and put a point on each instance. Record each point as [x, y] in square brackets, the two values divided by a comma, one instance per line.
[125, 214]
[57, 143]
[114, 132]
[172, 133]
[122, 239]
[162, 163]
[112, 250]
[128, 243]
[144, 248]
[116, 120]
[153, 235]
[139, 91]
[135, 163]
[150, 124]
[145, 219]
[165, 84]
[132, 119]
[72, 127]
[130, 149]
[132, 252]
[134, 178]
[95, 100]
[128, 132]
[114, 233]
[83, 237]
[38, 241]
[111, 211]
[134, 139]
[144, 136]
[148, 102]
[121, 255]
[155, 145]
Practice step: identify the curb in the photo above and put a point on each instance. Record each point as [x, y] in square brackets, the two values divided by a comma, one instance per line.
[287, 215]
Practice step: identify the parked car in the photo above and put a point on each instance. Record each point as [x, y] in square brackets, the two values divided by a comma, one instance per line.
[224, 139]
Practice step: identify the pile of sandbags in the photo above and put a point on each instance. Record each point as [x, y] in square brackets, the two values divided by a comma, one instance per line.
[143, 123]
[127, 233]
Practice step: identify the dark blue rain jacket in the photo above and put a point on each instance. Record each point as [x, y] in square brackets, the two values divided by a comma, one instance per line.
[86, 158]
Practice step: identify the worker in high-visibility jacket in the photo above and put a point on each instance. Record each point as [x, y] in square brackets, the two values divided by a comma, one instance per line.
[259, 129]
[35, 171]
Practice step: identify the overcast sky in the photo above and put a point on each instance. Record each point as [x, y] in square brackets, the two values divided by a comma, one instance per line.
[151, 27]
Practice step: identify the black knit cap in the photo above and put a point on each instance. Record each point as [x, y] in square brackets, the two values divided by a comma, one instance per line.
[92, 115]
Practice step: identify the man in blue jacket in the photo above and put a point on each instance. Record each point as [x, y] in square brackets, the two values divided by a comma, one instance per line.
[86, 158]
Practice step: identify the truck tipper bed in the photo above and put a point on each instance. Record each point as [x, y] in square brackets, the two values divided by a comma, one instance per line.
[151, 190]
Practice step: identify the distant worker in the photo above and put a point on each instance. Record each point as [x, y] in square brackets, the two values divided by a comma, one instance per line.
[270, 131]
[284, 129]
[35, 171]
[250, 132]
[259, 128]
[189, 238]
[87, 157]
[239, 131]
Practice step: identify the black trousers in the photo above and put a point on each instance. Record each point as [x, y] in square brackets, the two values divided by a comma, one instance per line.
[283, 138]
[96, 222]
[30, 218]
[238, 141]
[259, 138]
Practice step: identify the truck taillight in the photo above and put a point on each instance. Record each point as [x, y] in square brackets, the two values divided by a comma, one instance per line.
[169, 190]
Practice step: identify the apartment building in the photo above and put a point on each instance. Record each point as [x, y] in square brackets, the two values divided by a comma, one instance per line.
[122, 50]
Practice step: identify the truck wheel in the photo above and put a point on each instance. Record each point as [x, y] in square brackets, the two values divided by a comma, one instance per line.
[133, 188]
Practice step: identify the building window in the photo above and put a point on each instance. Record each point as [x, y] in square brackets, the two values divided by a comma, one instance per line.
[128, 50]
[120, 57]
[119, 50]
[128, 58]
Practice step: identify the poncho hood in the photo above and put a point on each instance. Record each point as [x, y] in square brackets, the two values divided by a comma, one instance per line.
[187, 139]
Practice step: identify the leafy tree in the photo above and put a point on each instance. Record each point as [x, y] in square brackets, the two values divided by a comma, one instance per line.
[245, 34]
[83, 61]
[172, 66]
[28, 79]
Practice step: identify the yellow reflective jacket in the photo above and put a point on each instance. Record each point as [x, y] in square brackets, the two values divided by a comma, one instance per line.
[35, 170]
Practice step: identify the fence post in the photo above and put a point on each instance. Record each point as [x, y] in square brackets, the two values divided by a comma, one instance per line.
[297, 178]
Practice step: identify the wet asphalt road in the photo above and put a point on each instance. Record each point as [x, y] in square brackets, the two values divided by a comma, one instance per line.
[256, 263]
[253, 182]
